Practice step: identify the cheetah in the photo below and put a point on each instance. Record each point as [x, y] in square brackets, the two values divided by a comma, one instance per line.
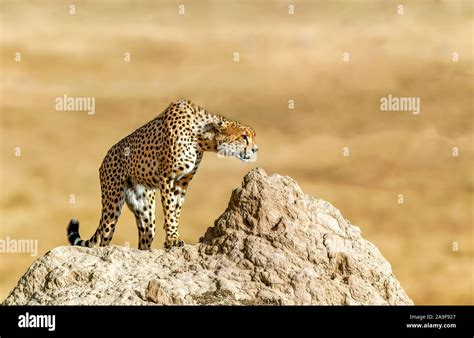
[163, 155]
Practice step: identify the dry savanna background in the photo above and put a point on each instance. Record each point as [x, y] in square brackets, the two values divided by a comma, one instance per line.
[50, 158]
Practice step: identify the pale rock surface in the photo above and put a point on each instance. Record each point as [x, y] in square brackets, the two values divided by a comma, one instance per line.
[273, 245]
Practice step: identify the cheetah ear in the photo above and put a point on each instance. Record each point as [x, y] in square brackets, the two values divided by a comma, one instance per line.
[214, 127]
[210, 130]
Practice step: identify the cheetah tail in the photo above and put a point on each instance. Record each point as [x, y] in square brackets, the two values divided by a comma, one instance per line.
[73, 232]
[75, 239]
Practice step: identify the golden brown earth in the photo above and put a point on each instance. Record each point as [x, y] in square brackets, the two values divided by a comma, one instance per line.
[282, 57]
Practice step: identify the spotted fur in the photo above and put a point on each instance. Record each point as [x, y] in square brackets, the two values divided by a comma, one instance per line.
[163, 156]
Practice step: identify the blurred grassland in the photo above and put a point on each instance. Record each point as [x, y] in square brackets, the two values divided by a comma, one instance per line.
[282, 57]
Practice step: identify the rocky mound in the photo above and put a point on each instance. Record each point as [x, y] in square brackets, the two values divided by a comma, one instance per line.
[273, 245]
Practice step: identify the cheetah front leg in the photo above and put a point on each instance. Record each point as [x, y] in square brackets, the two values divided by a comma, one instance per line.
[180, 190]
[173, 199]
[171, 211]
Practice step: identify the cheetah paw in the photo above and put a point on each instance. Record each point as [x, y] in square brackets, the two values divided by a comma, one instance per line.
[172, 242]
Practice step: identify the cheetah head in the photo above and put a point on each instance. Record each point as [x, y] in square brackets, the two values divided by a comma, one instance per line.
[235, 140]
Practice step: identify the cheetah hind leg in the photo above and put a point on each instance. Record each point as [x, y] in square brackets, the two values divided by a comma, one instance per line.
[141, 201]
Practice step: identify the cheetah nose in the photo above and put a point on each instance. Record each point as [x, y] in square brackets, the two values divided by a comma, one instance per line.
[255, 149]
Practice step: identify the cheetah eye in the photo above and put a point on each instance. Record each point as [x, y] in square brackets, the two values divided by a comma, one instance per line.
[245, 137]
